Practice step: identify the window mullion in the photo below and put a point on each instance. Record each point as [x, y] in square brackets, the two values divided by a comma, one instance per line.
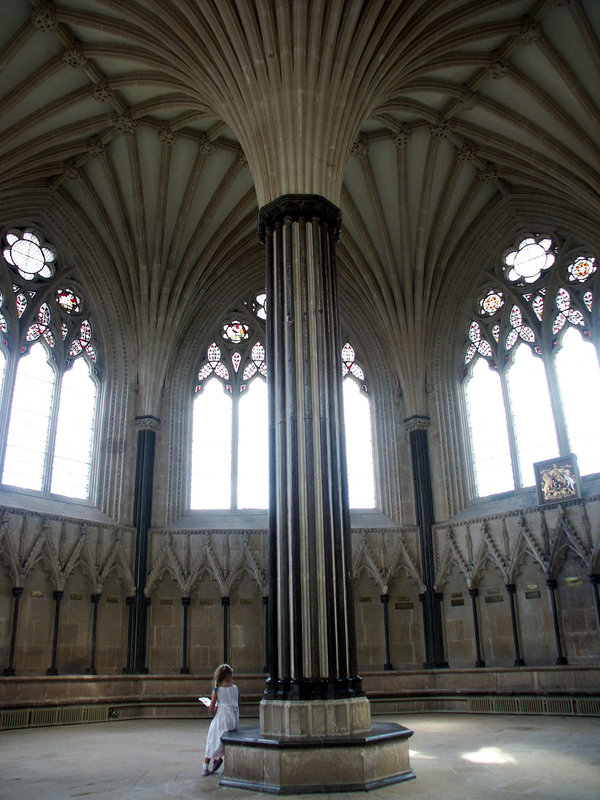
[47, 479]
[6, 402]
[560, 422]
[234, 447]
[512, 438]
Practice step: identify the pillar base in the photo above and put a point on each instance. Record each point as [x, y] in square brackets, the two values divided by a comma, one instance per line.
[315, 718]
[290, 765]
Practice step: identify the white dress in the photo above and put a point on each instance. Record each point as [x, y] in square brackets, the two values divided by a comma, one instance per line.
[226, 719]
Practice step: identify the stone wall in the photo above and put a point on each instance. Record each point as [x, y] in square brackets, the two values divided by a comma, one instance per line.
[540, 554]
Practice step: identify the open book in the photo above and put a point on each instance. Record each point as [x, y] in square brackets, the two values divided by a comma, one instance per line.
[205, 700]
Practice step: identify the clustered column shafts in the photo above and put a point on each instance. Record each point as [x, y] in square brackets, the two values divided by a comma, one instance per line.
[16, 593]
[430, 599]
[142, 515]
[311, 622]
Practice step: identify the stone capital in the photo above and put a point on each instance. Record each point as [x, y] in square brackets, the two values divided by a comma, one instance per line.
[296, 207]
[147, 423]
[418, 422]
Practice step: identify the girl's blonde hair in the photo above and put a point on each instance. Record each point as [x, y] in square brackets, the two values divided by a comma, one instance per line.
[222, 672]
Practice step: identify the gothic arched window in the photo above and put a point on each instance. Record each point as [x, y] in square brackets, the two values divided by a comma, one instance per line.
[531, 364]
[359, 437]
[48, 379]
[230, 464]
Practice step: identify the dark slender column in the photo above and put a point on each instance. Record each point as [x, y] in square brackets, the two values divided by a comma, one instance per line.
[95, 599]
[142, 515]
[144, 665]
[185, 603]
[129, 602]
[267, 634]
[385, 600]
[225, 606]
[311, 614]
[511, 589]
[16, 593]
[552, 585]
[594, 580]
[479, 660]
[58, 596]
[430, 600]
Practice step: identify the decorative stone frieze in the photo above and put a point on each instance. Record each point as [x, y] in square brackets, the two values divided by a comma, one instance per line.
[44, 17]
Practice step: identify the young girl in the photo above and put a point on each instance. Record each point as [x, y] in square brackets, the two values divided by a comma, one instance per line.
[225, 699]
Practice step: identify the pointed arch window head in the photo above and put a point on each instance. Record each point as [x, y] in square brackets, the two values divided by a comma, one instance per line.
[29, 255]
[522, 341]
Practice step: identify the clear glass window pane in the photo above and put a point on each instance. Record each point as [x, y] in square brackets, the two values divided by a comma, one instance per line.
[2, 371]
[27, 441]
[533, 420]
[578, 376]
[253, 447]
[74, 432]
[359, 446]
[489, 433]
[211, 448]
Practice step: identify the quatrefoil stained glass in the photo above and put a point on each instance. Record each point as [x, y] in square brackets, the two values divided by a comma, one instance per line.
[581, 269]
[492, 302]
[235, 331]
[68, 300]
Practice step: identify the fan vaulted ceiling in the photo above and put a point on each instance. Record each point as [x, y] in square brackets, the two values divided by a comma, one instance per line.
[149, 132]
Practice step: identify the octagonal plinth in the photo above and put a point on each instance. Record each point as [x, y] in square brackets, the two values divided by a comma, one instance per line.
[294, 765]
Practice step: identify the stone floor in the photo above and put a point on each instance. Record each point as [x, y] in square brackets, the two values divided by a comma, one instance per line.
[454, 756]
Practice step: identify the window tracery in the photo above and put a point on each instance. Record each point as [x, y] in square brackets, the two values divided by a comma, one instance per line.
[49, 377]
[237, 438]
[539, 290]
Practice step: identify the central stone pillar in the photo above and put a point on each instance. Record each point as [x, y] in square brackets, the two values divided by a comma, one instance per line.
[313, 700]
